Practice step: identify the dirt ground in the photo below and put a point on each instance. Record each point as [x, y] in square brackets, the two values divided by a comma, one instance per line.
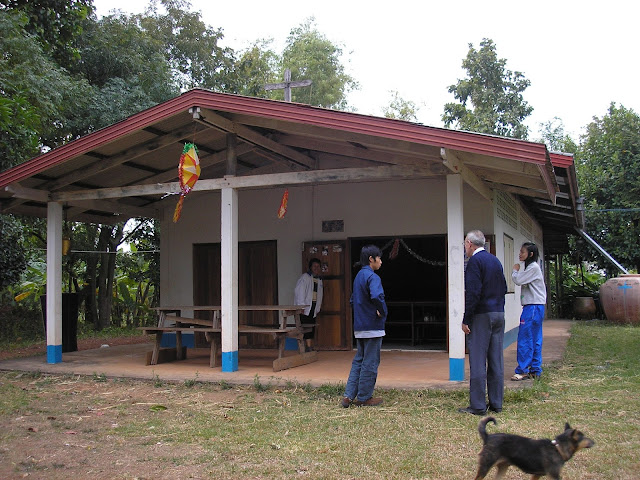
[74, 430]
[40, 444]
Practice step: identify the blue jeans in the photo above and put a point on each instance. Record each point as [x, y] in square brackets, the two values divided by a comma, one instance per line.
[530, 340]
[364, 369]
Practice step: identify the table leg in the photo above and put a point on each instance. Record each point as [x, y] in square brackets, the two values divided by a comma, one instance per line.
[281, 344]
[156, 349]
[179, 345]
[213, 355]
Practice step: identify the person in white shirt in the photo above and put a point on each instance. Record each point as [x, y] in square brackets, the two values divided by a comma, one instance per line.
[308, 292]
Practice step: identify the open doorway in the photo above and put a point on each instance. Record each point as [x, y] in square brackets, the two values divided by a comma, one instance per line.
[414, 277]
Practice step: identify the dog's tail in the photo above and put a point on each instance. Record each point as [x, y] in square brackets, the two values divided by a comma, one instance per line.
[482, 428]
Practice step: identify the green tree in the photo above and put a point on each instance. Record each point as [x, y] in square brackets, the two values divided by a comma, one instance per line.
[55, 23]
[255, 67]
[553, 134]
[490, 98]
[608, 168]
[190, 46]
[311, 56]
[400, 108]
[13, 260]
[126, 68]
[35, 102]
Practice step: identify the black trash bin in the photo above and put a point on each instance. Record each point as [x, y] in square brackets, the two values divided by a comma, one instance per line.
[69, 320]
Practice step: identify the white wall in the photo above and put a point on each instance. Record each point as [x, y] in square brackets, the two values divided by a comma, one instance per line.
[398, 208]
[406, 207]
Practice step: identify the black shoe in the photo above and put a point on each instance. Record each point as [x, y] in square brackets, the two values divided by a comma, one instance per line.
[372, 402]
[472, 411]
[493, 409]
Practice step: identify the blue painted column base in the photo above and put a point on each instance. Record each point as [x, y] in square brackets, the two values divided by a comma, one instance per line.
[54, 353]
[456, 369]
[230, 361]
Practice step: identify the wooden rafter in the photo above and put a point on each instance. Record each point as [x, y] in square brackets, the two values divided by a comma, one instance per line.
[453, 163]
[247, 134]
[343, 175]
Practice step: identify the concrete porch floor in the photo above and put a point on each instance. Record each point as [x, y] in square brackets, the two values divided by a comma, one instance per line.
[398, 369]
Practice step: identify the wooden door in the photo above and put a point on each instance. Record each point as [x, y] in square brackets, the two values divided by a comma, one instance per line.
[332, 332]
[257, 283]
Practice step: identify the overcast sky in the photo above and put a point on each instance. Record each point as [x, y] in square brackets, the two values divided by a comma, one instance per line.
[578, 57]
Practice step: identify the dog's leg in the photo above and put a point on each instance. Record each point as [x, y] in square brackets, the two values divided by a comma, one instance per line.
[483, 469]
[486, 460]
[502, 469]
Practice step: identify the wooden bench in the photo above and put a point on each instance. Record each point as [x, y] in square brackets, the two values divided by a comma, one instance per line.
[211, 328]
[211, 334]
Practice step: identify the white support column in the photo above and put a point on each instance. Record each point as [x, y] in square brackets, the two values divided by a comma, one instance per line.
[229, 279]
[455, 266]
[54, 282]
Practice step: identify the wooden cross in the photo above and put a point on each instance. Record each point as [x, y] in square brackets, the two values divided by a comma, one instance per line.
[287, 85]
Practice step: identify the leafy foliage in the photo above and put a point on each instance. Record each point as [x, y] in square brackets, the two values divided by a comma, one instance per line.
[310, 55]
[608, 168]
[255, 67]
[490, 98]
[55, 23]
[553, 134]
[400, 108]
[13, 260]
[35, 101]
[190, 46]
[579, 279]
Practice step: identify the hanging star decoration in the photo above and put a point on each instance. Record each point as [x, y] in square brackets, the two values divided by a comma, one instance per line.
[188, 174]
[283, 204]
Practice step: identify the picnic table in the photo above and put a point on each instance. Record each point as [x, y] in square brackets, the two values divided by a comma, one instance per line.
[170, 320]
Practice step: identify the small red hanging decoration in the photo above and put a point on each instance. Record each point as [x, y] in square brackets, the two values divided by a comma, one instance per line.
[283, 204]
[395, 249]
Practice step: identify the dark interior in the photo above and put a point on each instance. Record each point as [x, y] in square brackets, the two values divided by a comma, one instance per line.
[414, 277]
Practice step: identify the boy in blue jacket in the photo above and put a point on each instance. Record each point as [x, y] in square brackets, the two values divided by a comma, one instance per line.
[369, 316]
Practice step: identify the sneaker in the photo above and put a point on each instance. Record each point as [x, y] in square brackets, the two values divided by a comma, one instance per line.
[520, 376]
[345, 402]
[372, 402]
[534, 375]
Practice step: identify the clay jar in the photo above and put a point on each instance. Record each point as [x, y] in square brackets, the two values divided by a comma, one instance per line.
[620, 298]
[584, 307]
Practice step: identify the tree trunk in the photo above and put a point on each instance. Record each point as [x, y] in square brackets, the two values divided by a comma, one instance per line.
[110, 238]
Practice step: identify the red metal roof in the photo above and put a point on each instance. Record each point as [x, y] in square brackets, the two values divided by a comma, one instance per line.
[564, 160]
[520, 150]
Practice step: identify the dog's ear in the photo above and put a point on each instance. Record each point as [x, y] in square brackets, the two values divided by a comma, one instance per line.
[567, 426]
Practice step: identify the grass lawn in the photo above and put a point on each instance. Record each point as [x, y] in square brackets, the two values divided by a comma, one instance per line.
[91, 427]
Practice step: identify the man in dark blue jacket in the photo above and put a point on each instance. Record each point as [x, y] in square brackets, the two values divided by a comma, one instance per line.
[483, 321]
[369, 316]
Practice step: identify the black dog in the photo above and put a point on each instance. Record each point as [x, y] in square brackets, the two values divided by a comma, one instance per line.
[536, 457]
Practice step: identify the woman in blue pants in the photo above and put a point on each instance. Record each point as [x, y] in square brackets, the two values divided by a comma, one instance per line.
[533, 297]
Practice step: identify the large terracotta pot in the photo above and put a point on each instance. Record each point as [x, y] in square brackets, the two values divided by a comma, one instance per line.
[620, 298]
[584, 307]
